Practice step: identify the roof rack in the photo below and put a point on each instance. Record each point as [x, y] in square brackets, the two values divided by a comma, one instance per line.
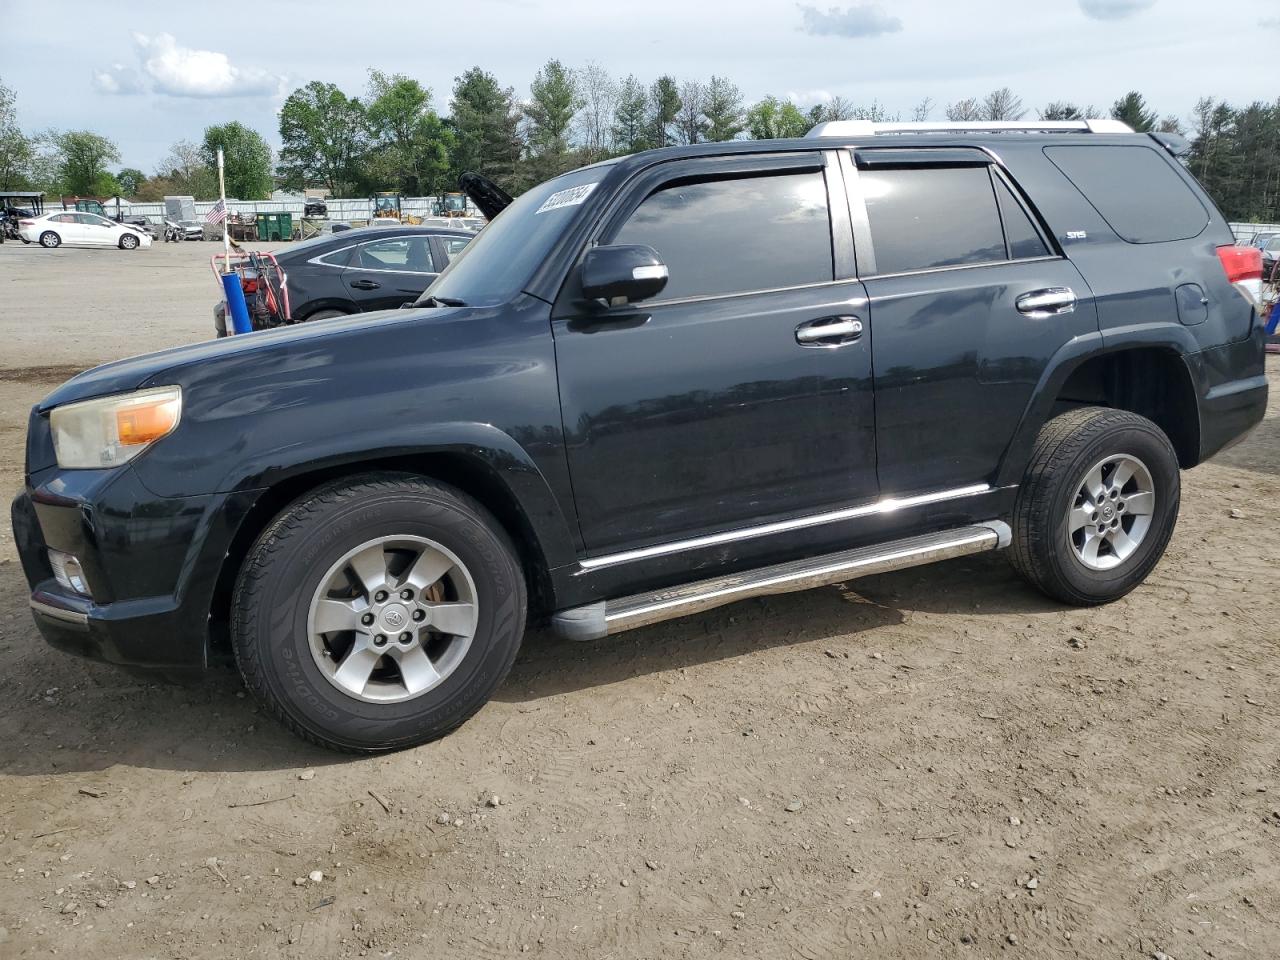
[868, 128]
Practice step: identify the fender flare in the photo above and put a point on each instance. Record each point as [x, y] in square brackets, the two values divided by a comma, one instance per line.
[1171, 337]
[487, 448]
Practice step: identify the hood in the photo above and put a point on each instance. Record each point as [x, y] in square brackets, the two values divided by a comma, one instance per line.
[155, 369]
[485, 194]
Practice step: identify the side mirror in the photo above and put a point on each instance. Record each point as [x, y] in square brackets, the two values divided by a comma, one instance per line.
[623, 273]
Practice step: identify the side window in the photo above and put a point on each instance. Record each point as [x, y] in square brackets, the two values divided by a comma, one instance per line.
[737, 235]
[454, 245]
[927, 217]
[1024, 239]
[409, 254]
[64, 218]
[339, 258]
[1135, 189]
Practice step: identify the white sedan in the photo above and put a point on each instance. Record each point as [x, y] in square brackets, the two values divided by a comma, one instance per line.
[77, 229]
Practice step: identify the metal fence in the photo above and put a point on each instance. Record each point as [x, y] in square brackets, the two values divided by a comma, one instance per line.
[1246, 231]
[338, 209]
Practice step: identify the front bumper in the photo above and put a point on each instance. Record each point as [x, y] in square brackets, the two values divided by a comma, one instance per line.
[151, 563]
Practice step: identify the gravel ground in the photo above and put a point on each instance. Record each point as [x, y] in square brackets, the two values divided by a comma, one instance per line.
[933, 763]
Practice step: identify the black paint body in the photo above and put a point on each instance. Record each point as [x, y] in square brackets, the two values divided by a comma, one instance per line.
[593, 431]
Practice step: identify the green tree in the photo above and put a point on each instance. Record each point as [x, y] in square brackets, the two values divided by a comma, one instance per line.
[323, 135]
[410, 144]
[771, 119]
[722, 107]
[82, 157]
[553, 101]
[486, 128]
[1132, 109]
[16, 149]
[246, 159]
[131, 181]
[1066, 110]
[664, 107]
[631, 117]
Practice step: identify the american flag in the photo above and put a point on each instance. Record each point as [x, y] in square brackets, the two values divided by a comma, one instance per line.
[217, 213]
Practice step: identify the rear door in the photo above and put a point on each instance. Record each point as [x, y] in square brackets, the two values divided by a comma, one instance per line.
[721, 402]
[968, 299]
[69, 228]
[384, 273]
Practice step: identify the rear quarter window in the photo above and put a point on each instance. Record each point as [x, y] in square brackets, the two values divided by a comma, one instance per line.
[1134, 189]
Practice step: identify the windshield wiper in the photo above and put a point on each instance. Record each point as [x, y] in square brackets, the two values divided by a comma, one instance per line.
[441, 302]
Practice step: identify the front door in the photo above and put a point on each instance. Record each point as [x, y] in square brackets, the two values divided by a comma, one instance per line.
[722, 401]
[383, 274]
[969, 303]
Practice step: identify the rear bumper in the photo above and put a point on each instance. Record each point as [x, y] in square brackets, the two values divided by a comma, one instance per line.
[151, 563]
[1229, 412]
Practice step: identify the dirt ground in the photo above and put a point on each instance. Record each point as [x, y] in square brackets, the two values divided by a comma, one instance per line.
[940, 764]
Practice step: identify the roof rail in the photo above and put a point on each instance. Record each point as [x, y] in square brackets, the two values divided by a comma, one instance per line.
[868, 128]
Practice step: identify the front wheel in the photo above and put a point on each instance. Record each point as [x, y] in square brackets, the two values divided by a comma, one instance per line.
[128, 242]
[378, 612]
[50, 240]
[1097, 505]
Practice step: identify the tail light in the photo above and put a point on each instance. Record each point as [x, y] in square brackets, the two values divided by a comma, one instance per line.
[26, 223]
[1243, 266]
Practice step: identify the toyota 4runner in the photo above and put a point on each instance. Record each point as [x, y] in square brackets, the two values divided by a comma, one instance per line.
[653, 386]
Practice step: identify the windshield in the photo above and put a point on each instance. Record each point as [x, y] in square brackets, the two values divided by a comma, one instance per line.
[500, 260]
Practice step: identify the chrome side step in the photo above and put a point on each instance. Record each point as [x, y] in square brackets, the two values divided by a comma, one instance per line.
[607, 617]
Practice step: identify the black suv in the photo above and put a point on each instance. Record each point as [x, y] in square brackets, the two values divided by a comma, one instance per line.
[649, 387]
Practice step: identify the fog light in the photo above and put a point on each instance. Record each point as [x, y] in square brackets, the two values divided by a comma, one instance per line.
[68, 572]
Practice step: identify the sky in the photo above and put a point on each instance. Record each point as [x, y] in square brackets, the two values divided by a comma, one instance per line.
[149, 73]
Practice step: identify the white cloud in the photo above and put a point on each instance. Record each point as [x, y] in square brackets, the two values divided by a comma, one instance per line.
[859, 20]
[166, 67]
[1113, 9]
[810, 98]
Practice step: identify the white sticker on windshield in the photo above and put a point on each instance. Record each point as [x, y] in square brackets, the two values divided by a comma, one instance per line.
[566, 198]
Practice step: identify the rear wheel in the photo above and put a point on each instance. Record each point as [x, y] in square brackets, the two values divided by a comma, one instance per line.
[378, 613]
[128, 242]
[1097, 505]
[50, 239]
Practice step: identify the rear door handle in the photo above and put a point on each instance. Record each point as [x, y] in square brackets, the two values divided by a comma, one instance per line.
[1049, 302]
[829, 332]
[365, 285]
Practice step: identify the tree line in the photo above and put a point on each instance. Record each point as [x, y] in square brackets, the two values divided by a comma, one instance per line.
[391, 137]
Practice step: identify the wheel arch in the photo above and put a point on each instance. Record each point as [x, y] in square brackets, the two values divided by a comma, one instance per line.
[526, 517]
[1148, 375]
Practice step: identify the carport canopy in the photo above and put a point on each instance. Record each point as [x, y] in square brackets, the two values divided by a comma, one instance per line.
[23, 198]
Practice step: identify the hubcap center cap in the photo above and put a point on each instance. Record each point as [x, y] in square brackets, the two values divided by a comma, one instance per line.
[394, 617]
[1108, 512]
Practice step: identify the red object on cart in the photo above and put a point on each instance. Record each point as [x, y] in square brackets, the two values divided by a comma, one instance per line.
[265, 286]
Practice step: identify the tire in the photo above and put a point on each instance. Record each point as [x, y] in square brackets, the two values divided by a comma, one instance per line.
[220, 320]
[50, 240]
[1056, 545]
[128, 242]
[315, 546]
[325, 315]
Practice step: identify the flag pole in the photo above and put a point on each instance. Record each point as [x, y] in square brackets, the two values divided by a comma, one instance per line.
[226, 235]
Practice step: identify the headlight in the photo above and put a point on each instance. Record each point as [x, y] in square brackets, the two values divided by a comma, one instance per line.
[109, 431]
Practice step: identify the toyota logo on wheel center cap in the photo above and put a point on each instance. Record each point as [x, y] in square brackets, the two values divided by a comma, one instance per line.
[395, 616]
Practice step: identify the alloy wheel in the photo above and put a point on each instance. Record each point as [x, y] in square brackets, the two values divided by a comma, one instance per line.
[392, 619]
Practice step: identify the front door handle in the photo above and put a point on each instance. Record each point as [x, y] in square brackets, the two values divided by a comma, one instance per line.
[829, 332]
[1049, 302]
[365, 285]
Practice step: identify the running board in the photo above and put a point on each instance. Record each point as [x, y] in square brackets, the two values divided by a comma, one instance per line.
[607, 617]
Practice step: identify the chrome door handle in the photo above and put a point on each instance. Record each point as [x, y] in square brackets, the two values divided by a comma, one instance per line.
[1050, 302]
[829, 332]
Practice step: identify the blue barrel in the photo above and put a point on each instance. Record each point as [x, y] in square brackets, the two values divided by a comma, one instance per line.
[236, 308]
